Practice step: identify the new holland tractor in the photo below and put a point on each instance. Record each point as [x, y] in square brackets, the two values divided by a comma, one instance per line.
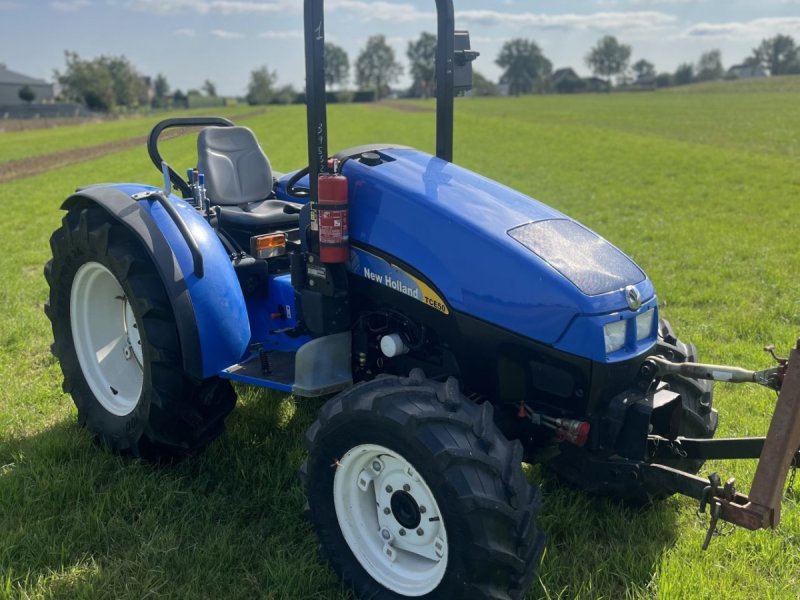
[458, 327]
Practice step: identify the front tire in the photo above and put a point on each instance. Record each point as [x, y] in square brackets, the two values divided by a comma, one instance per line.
[116, 339]
[415, 493]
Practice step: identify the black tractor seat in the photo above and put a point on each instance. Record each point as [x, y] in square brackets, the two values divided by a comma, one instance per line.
[239, 182]
[260, 215]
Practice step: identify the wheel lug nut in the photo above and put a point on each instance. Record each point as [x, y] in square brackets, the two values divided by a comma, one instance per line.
[389, 489]
[422, 510]
[420, 531]
[387, 510]
[402, 532]
[406, 487]
[385, 534]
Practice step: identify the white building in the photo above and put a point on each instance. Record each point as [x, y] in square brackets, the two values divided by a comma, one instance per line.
[11, 83]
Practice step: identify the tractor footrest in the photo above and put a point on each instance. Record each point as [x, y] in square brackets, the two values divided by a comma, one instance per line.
[273, 370]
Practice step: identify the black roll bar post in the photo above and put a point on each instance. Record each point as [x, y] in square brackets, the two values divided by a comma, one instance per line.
[314, 20]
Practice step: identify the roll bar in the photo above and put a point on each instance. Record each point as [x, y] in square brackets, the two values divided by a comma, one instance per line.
[155, 155]
[314, 19]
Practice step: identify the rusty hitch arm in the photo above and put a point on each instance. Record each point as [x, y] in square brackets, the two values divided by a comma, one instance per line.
[761, 508]
[771, 378]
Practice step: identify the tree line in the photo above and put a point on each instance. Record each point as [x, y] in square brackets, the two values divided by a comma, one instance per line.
[111, 82]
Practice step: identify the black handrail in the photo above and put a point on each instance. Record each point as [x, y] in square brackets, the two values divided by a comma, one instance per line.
[317, 123]
[191, 243]
[155, 155]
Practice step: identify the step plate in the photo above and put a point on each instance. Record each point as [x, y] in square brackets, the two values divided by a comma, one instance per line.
[280, 376]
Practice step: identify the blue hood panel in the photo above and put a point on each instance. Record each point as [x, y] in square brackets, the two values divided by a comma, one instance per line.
[453, 226]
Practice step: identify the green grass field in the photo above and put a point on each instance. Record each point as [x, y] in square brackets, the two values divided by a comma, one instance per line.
[701, 189]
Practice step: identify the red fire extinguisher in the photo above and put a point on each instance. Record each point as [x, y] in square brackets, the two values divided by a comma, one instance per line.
[332, 213]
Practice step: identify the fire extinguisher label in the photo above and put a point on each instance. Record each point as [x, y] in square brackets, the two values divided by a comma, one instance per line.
[333, 227]
[376, 269]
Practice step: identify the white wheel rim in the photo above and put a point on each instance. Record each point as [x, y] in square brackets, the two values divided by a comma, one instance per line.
[106, 337]
[404, 552]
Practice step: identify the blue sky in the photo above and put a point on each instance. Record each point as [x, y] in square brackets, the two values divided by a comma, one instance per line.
[224, 40]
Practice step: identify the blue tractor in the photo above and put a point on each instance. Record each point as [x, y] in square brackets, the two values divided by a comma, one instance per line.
[459, 327]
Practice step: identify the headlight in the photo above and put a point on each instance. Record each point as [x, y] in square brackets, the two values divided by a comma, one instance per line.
[615, 336]
[644, 325]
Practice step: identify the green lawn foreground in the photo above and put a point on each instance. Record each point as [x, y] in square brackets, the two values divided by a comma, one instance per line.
[707, 208]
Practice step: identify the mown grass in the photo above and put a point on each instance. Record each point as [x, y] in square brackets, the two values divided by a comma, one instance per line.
[708, 209]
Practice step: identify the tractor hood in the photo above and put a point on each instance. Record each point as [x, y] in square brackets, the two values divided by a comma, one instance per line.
[490, 251]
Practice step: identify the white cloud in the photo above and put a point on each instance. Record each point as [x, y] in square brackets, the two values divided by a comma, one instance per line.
[185, 32]
[70, 5]
[281, 35]
[381, 11]
[222, 7]
[600, 20]
[642, 2]
[227, 35]
[404, 13]
[755, 29]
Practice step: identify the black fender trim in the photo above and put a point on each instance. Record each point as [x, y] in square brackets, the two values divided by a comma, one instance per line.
[122, 208]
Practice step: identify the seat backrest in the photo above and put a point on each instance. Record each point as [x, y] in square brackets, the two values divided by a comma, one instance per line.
[236, 169]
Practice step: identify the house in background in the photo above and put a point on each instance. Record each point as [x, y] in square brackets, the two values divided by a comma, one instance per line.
[566, 81]
[746, 71]
[11, 83]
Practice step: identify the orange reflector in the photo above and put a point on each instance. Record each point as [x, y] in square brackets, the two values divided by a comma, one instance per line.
[269, 245]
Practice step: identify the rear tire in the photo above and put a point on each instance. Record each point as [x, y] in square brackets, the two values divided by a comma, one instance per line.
[117, 341]
[455, 516]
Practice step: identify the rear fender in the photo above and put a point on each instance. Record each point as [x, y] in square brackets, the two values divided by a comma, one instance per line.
[210, 311]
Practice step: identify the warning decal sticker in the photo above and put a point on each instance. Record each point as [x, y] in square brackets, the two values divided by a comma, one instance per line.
[378, 270]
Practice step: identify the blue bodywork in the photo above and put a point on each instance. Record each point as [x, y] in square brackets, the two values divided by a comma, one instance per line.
[227, 323]
[453, 226]
[459, 231]
[219, 307]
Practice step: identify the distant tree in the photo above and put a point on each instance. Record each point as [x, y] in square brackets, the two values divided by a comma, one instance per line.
[337, 65]
[260, 90]
[180, 99]
[376, 66]
[88, 82]
[481, 86]
[129, 86]
[283, 95]
[209, 88]
[644, 70]
[422, 55]
[26, 94]
[709, 67]
[684, 74]
[160, 91]
[663, 80]
[525, 65]
[608, 58]
[779, 55]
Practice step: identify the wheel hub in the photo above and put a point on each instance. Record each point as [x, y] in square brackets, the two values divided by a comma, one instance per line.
[106, 337]
[405, 510]
[390, 519]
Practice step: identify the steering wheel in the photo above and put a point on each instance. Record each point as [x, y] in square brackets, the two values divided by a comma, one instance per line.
[290, 185]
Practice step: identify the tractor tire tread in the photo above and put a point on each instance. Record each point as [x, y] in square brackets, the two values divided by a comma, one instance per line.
[174, 424]
[470, 448]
